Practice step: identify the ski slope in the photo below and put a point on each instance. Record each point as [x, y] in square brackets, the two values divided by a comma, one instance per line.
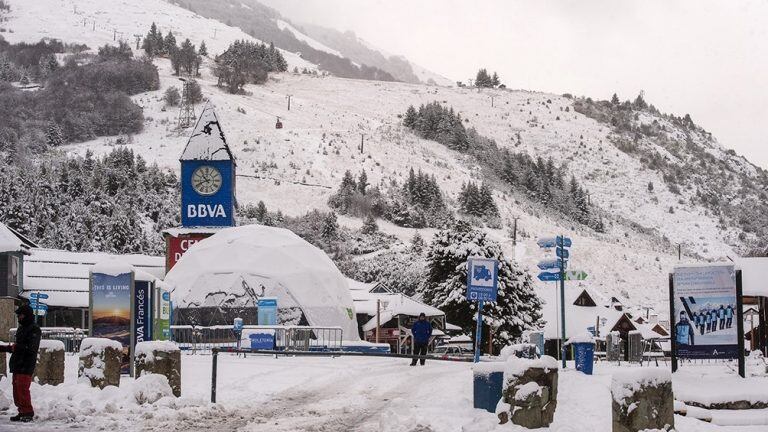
[296, 169]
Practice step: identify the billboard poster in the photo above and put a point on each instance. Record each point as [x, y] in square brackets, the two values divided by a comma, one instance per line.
[267, 311]
[110, 310]
[141, 327]
[162, 327]
[705, 308]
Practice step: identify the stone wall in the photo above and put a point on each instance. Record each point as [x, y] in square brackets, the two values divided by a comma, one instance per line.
[162, 358]
[100, 361]
[642, 399]
[50, 363]
[530, 392]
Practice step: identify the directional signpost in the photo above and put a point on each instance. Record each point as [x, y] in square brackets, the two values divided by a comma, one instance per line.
[482, 286]
[575, 275]
[561, 245]
[37, 306]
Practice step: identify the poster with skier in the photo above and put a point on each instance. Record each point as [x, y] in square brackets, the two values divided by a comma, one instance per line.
[705, 311]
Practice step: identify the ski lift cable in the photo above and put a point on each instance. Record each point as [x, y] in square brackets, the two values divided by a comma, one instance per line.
[253, 176]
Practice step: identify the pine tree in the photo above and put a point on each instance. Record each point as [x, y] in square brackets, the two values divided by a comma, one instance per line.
[482, 79]
[172, 96]
[362, 182]
[169, 44]
[410, 117]
[150, 43]
[54, 135]
[615, 100]
[517, 308]
[330, 229]
[261, 211]
[203, 51]
[417, 243]
[495, 82]
[369, 225]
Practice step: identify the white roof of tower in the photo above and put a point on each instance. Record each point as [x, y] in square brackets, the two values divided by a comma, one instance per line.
[207, 141]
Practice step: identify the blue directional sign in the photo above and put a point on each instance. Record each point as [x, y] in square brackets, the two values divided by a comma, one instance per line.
[41, 296]
[562, 253]
[482, 279]
[38, 306]
[552, 264]
[550, 242]
[549, 277]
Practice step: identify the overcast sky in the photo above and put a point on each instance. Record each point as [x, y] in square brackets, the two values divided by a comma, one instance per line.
[706, 58]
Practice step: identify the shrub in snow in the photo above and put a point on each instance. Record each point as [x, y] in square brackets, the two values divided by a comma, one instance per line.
[159, 358]
[523, 350]
[530, 391]
[100, 362]
[642, 399]
[50, 362]
[151, 388]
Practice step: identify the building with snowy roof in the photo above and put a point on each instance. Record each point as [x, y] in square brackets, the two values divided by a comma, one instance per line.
[392, 313]
[223, 276]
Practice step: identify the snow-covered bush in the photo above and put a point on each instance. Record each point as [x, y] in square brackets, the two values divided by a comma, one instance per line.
[150, 388]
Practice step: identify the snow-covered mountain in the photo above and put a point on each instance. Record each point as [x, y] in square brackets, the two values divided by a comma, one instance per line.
[296, 168]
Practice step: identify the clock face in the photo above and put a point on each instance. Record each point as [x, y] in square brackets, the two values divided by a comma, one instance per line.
[206, 180]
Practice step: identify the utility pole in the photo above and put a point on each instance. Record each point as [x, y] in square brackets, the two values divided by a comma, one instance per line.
[94, 26]
[378, 318]
[289, 102]
[114, 34]
[138, 40]
[679, 252]
[562, 295]
[514, 230]
[362, 143]
[492, 96]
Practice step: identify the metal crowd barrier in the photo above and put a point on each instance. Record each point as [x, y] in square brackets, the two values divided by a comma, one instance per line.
[197, 339]
[70, 336]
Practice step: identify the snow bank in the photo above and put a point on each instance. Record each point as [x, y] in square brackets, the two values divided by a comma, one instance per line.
[151, 388]
[517, 366]
[627, 382]
[112, 267]
[51, 345]
[147, 348]
[487, 368]
[510, 350]
[527, 389]
[581, 338]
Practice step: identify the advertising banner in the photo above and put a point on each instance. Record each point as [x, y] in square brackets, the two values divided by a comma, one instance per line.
[162, 327]
[110, 310]
[267, 311]
[141, 328]
[178, 246]
[705, 310]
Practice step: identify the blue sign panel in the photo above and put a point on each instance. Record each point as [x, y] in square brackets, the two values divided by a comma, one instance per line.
[549, 242]
[262, 341]
[482, 279]
[267, 311]
[142, 320]
[549, 277]
[552, 264]
[562, 253]
[207, 193]
[41, 296]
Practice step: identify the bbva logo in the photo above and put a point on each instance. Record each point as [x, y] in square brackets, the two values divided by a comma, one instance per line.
[205, 210]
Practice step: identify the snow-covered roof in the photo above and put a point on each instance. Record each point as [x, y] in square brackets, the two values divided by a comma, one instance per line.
[10, 242]
[754, 276]
[236, 266]
[63, 275]
[207, 141]
[577, 318]
[392, 304]
[178, 231]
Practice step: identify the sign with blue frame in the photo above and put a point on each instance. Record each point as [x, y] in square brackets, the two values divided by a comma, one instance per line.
[263, 340]
[41, 296]
[549, 277]
[141, 325]
[561, 253]
[482, 279]
[706, 312]
[267, 311]
[207, 193]
[550, 242]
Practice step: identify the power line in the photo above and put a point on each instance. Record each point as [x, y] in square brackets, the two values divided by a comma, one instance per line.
[253, 176]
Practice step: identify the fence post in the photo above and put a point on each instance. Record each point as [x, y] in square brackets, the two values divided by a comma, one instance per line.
[215, 352]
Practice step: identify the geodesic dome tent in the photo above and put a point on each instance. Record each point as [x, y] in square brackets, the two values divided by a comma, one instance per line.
[236, 266]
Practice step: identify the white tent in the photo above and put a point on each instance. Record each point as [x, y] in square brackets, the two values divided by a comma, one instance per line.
[236, 266]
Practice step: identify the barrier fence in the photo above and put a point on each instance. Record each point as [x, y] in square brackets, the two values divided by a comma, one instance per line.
[194, 339]
[70, 336]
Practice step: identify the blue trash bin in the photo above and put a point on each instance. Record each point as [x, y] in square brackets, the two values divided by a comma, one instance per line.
[584, 356]
[487, 389]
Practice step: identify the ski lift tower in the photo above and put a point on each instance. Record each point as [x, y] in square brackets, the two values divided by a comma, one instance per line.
[187, 108]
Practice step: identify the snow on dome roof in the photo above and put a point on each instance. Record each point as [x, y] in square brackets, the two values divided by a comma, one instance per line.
[207, 141]
[236, 266]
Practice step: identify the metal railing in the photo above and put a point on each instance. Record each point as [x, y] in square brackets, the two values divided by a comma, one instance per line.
[196, 339]
[70, 336]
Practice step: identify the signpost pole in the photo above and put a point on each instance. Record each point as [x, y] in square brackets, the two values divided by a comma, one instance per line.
[479, 331]
[672, 336]
[740, 324]
[562, 303]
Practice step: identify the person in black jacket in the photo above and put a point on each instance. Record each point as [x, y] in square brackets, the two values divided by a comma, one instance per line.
[23, 361]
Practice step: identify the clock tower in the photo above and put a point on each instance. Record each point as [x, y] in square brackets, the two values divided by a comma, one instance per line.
[207, 175]
[207, 187]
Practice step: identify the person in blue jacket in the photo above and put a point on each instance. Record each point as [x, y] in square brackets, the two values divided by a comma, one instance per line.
[698, 323]
[729, 316]
[708, 320]
[713, 314]
[721, 316]
[684, 330]
[421, 331]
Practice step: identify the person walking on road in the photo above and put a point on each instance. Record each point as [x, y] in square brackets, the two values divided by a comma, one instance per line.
[421, 331]
[23, 361]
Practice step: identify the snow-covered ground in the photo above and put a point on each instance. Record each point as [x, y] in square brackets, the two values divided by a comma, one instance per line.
[262, 393]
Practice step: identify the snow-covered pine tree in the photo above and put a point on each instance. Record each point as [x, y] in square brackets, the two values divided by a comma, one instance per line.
[54, 136]
[517, 308]
[362, 182]
[203, 51]
[417, 243]
[410, 117]
[369, 225]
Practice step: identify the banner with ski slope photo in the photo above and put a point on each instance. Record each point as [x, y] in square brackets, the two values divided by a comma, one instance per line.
[704, 312]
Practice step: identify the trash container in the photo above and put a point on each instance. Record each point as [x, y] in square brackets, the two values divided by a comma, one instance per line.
[584, 355]
[488, 383]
